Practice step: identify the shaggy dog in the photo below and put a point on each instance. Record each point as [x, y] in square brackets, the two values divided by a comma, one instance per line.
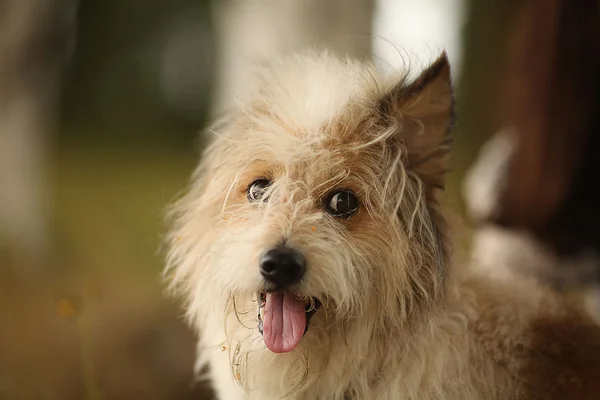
[313, 260]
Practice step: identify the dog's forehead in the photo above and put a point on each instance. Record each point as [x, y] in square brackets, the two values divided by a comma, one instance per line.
[313, 153]
[308, 115]
[310, 94]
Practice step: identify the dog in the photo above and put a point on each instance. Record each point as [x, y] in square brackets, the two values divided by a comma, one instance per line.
[314, 259]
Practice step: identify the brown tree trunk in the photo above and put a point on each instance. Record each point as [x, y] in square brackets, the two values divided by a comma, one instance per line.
[553, 107]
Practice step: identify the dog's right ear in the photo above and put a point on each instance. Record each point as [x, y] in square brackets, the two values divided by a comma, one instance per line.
[424, 113]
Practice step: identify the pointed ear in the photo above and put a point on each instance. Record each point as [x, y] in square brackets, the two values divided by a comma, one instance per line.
[424, 113]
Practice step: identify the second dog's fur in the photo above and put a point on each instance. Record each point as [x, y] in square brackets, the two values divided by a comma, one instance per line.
[340, 167]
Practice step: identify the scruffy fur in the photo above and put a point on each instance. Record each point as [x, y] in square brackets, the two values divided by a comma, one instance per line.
[399, 319]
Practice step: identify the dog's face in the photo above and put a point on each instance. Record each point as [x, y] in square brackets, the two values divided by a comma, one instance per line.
[316, 198]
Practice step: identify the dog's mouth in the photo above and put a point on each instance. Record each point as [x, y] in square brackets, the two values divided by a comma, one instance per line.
[283, 319]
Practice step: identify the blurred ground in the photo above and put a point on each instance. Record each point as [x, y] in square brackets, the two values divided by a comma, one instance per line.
[96, 324]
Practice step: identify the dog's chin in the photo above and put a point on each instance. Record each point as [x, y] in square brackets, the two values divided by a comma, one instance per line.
[283, 318]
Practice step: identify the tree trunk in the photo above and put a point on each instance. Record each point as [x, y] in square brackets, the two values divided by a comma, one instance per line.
[35, 39]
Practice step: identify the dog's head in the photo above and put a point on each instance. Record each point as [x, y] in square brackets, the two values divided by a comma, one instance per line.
[316, 198]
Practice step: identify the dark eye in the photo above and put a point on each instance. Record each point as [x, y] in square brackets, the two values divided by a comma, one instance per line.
[257, 189]
[342, 203]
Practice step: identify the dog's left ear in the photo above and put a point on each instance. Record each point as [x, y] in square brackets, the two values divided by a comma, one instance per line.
[424, 113]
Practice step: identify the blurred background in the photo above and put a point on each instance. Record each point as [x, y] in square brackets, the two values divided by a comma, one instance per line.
[101, 105]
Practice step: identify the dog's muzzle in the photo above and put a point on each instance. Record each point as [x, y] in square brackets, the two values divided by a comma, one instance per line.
[283, 316]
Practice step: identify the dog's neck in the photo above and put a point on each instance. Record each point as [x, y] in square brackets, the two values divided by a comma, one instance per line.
[361, 350]
[358, 350]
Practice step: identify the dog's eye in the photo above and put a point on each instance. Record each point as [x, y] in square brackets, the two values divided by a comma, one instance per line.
[257, 189]
[342, 203]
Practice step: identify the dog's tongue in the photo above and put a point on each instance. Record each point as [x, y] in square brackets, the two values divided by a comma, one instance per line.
[284, 322]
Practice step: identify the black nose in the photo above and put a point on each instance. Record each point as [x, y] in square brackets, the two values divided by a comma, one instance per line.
[282, 266]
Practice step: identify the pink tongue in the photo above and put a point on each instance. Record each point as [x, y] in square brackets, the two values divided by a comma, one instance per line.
[284, 322]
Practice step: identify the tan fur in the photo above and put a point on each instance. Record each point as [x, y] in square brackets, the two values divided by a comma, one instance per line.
[398, 321]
